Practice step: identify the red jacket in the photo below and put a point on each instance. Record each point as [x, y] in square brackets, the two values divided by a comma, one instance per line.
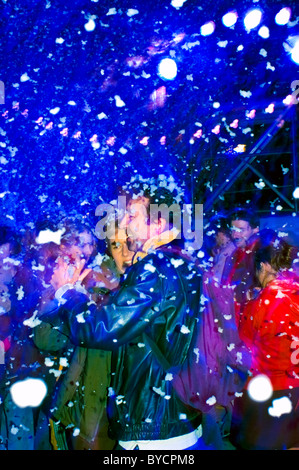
[269, 326]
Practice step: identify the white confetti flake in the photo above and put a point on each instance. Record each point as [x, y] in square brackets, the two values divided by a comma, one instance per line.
[245, 94]
[159, 391]
[20, 293]
[280, 406]
[49, 362]
[263, 52]
[33, 321]
[211, 401]
[132, 12]
[102, 116]
[80, 318]
[55, 110]
[149, 267]
[184, 330]
[119, 102]
[47, 236]
[168, 377]
[25, 77]
[111, 11]
[90, 25]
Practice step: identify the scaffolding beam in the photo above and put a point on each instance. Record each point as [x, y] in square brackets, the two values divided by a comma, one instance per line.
[248, 160]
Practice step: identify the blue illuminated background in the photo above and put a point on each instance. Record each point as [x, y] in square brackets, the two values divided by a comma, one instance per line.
[87, 108]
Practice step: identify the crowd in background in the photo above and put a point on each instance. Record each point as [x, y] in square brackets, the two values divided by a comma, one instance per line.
[257, 266]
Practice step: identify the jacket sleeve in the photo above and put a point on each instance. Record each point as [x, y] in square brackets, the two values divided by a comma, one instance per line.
[127, 314]
[249, 322]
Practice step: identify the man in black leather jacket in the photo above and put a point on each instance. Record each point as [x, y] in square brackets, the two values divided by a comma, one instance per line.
[148, 320]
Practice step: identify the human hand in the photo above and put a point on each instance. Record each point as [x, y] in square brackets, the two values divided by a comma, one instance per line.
[66, 272]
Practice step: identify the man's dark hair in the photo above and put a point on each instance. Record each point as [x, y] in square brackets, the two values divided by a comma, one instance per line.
[157, 196]
[8, 235]
[245, 214]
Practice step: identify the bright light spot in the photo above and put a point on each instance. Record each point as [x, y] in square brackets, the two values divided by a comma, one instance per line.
[288, 100]
[230, 19]
[280, 406]
[28, 392]
[216, 129]
[264, 32]
[260, 388]
[252, 19]
[235, 124]
[296, 193]
[295, 53]
[251, 114]
[241, 148]
[207, 28]
[270, 108]
[177, 3]
[144, 141]
[283, 16]
[167, 69]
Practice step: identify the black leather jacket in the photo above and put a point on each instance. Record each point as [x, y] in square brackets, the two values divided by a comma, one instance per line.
[158, 298]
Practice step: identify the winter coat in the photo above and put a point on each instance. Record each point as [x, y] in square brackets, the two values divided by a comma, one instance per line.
[79, 399]
[270, 327]
[159, 299]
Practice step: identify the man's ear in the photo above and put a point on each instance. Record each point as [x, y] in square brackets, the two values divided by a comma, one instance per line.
[256, 230]
[266, 267]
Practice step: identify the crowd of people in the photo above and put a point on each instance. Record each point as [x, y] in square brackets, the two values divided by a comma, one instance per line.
[143, 344]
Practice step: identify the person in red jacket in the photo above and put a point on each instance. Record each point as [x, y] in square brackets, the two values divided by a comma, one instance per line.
[269, 326]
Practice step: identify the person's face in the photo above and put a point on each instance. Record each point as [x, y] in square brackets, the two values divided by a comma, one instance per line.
[136, 223]
[241, 231]
[7, 269]
[119, 250]
[86, 244]
[221, 239]
[82, 249]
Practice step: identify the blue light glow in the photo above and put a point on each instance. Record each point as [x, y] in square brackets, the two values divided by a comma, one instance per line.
[167, 69]
[252, 19]
[230, 18]
[283, 16]
[207, 29]
[264, 32]
[295, 53]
